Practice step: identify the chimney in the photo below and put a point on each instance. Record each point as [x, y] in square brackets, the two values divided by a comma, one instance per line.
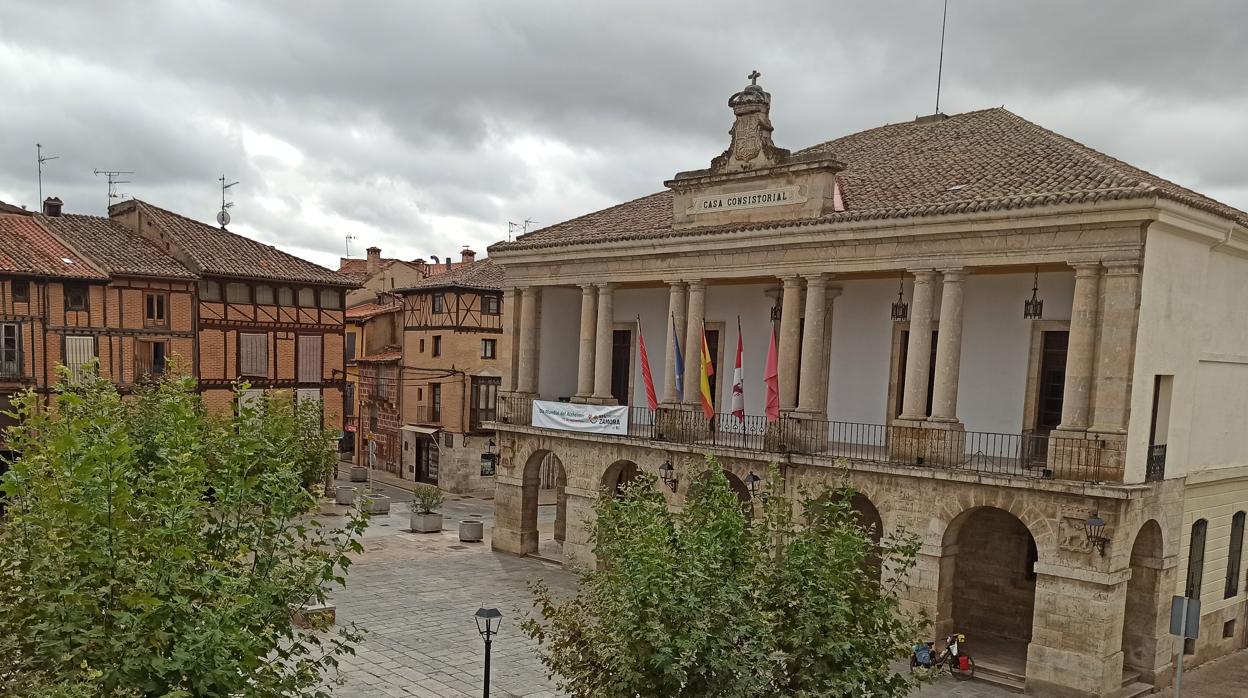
[374, 260]
[52, 206]
[467, 256]
[448, 262]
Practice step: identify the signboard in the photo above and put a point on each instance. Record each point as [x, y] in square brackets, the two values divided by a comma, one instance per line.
[1185, 617]
[780, 196]
[568, 416]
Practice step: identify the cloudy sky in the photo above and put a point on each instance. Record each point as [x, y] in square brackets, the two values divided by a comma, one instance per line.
[420, 127]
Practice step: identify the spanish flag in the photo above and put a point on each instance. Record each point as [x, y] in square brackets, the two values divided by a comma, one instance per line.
[707, 370]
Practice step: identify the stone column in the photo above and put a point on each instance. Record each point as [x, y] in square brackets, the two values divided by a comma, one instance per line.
[602, 344]
[1081, 348]
[833, 293]
[814, 351]
[693, 341]
[675, 328]
[526, 384]
[948, 348]
[511, 330]
[1076, 634]
[919, 348]
[585, 362]
[790, 341]
[1116, 349]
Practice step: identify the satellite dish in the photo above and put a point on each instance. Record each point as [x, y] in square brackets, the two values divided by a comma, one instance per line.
[223, 218]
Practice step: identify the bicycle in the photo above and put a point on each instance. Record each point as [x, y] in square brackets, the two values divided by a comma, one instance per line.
[958, 663]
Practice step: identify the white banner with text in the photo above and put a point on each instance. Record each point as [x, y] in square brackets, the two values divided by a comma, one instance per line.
[569, 416]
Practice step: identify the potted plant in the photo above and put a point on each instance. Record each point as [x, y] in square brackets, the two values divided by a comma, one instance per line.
[425, 500]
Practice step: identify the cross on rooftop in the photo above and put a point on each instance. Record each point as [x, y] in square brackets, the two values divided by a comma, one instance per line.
[754, 76]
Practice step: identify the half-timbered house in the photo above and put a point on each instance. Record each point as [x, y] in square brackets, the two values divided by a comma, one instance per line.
[373, 396]
[454, 360]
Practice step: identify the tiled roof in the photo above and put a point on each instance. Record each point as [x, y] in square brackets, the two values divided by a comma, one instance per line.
[392, 355]
[28, 248]
[365, 311]
[217, 251]
[357, 269]
[481, 275]
[10, 208]
[113, 247]
[978, 161]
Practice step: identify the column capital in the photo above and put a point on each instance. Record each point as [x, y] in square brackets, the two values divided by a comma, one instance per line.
[819, 279]
[588, 288]
[606, 287]
[1086, 268]
[676, 284]
[923, 276]
[698, 284]
[793, 281]
[1126, 267]
[953, 274]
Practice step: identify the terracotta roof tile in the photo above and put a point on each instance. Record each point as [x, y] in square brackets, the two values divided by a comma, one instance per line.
[392, 355]
[977, 161]
[482, 275]
[365, 311]
[113, 247]
[217, 251]
[28, 248]
[10, 208]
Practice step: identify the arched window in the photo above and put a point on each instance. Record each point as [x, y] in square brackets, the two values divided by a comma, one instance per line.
[1236, 552]
[1196, 559]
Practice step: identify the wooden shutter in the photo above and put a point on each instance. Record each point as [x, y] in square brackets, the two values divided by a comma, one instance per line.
[1236, 552]
[310, 363]
[253, 354]
[1196, 559]
[78, 351]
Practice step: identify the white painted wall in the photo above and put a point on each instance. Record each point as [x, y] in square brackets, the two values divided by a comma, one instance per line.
[749, 302]
[651, 305]
[862, 335]
[559, 342]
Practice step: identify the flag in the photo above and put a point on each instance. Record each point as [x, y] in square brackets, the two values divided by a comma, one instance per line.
[651, 400]
[680, 360]
[771, 376]
[707, 370]
[738, 380]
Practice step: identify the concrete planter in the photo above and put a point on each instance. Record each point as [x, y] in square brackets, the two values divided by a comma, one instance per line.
[359, 474]
[344, 495]
[315, 616]
[471, 530]
[379, 504]
[426, 523]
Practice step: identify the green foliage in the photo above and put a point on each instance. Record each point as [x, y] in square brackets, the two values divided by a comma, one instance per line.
[706, 603]
[426, 499]
[154, 550]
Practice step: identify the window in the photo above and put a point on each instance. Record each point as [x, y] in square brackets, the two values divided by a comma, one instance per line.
[307, 298]
[350, 346]
[435, 402]
[439, 303]
[251, 399]
[79, 351]
[348, 400]
[154, 310]
[238, 293]
[309, 358]
[75, 297]
[264, 295]
[21, 291]
[489, 348]
[331, 298]
[253, 355]
[209, 291]
[1196, 559]
[285, 296]
[1236, 552]
[422, 346]
[149, 358]
[10, 350]
[420, 394]
[484, 400]
[489, 305]
[437, 346]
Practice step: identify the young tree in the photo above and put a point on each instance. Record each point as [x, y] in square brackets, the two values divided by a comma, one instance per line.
[154, 550]
[707, 603]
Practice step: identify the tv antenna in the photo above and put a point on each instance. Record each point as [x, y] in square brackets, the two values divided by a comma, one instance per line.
[350, 238]
[113, 182]
[940, 65]
[223, 216]
[42, 159]
[512, 227]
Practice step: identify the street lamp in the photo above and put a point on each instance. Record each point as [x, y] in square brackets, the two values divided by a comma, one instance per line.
[488, 621]
[1094, 528]
[667, 474]
[754, 483]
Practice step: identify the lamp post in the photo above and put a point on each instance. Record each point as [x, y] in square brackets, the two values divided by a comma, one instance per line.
[667, 473]
[1094, 528]
[754, 483]
[488, 621]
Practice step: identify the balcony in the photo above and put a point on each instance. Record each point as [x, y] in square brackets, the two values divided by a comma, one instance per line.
[1030, 455]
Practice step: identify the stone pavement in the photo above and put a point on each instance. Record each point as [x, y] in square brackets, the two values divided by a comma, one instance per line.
[416, 593]
[1226, 677]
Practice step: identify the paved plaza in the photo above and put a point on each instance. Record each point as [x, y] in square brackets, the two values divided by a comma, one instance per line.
[416, 593]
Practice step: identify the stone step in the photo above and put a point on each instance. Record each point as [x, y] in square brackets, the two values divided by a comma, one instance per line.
[998, 676]
[1132, 690]
[1129, 677]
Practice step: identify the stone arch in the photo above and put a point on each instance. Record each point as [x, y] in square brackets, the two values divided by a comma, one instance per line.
[1043, 529]
[1144, 628]
[987, 586]
[543, 472]
[619, 474]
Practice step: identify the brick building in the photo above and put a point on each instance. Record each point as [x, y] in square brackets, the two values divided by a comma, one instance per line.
[374, 400]
[376, 274]
[454, 361]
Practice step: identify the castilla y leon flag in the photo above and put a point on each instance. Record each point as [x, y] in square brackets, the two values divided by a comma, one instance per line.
[651, 399]
[738, 381]
[708, 370]
[771, 376]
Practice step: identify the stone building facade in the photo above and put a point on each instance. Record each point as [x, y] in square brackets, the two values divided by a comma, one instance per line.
[998, 333]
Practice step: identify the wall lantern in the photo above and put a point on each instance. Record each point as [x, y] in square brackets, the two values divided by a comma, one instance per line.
[754, 483]
[1033, 308]
[667, 474]
[489, 459]
[1094, 527]
[901, 309]
[775, 313]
